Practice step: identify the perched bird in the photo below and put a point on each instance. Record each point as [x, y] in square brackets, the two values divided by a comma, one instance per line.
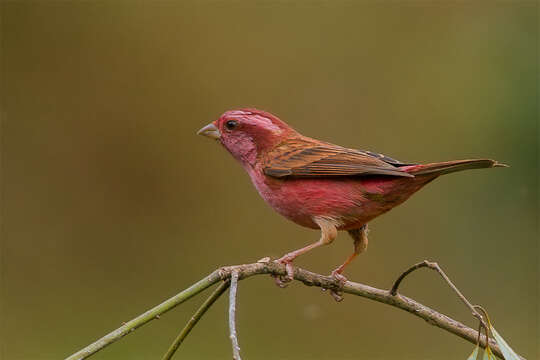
[321, 185]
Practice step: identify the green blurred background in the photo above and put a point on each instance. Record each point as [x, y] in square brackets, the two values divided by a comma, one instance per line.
[112, 204]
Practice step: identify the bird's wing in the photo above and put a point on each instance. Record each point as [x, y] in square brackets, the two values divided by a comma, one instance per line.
[311, 158]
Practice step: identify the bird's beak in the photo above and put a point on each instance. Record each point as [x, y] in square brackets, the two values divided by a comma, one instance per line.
[211, 131]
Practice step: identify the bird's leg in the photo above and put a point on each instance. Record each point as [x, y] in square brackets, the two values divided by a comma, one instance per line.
[360, 240]
[328, 234]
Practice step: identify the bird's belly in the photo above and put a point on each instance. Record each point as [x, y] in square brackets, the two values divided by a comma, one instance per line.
[303, 200]
[351, 202]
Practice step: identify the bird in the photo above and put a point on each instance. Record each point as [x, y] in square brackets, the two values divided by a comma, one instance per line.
[320, 185]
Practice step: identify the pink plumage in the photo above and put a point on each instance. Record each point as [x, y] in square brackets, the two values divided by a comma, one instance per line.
[321, 185]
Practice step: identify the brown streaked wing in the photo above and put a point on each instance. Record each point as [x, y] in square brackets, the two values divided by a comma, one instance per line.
[387, 159]
[304, 158]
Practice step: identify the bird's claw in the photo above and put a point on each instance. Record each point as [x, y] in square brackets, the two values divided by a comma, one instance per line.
[283, 280]
[339, 278]
[338, 294]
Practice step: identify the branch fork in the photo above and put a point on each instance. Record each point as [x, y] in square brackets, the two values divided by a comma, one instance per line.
[233, 274]
[436, 267]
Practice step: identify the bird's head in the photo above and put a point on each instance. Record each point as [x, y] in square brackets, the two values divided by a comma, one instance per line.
[247, 133]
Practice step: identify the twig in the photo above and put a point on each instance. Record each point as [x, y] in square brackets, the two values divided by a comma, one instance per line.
[395, 287]
[308, 278]
[232, 316]
[436, 267]
[149, 315]
[195, 318]
[487, 329]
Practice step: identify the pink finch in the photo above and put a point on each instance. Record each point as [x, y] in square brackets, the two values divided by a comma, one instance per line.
[320, 185]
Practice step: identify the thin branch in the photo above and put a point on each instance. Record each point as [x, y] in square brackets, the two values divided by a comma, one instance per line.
[195, 319]
[436, 267]
[394, 288]
[232, 316]
[308, 278]
[149, 315]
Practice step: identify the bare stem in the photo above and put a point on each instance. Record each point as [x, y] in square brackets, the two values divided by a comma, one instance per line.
[436, 267]
[232, 316]
[395, 287]
[308, 278]
[146, 317]
[195, 319]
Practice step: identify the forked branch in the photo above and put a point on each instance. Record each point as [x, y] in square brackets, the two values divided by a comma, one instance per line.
[436, 267]
[308, 278]
[195, 319]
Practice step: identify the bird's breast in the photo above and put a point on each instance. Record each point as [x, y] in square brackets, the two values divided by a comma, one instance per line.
[301, 199]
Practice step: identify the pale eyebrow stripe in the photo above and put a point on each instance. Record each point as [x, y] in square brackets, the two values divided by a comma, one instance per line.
[264, 122]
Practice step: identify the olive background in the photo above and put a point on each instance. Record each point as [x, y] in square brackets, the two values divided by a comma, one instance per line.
[111, 203]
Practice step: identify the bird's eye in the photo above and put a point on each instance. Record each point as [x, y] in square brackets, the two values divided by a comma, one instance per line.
[231, 124]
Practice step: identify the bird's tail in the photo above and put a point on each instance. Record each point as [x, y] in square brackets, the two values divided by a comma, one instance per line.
[448, 167]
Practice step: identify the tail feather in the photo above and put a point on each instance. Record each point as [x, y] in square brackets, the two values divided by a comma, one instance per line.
[448, 167]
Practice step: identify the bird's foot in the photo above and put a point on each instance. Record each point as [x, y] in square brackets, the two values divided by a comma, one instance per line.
[283, 280]
[338, 294]
[337, 275]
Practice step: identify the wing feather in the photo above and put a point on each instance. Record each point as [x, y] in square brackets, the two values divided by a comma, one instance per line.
[310, 158]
